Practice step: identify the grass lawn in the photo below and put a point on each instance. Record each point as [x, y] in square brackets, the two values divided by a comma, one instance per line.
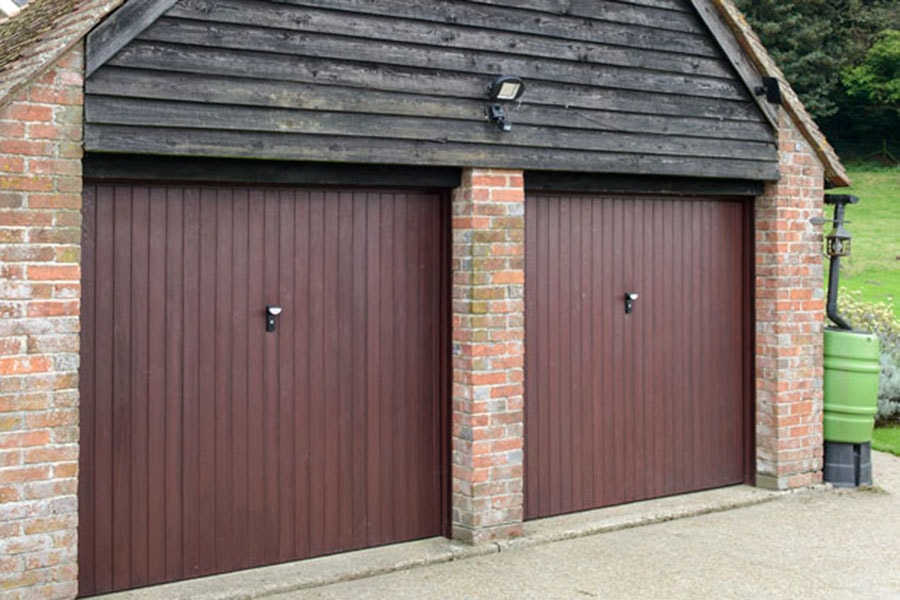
[874, 266]
[887, 439]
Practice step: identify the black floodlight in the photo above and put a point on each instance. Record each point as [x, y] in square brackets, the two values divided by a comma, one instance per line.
[506, 88]
[771, 89]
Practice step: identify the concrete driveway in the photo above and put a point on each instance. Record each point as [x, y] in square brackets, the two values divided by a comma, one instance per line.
[815, 544]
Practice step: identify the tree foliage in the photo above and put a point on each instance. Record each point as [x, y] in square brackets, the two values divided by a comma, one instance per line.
[877, 77]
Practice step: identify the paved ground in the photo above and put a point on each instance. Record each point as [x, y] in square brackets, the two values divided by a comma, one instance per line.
[822, 544]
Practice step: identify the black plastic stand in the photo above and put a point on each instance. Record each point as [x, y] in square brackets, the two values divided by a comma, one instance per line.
[848, 465]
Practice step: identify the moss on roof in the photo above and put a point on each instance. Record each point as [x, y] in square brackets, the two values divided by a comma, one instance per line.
[36, 38]
[17, 35]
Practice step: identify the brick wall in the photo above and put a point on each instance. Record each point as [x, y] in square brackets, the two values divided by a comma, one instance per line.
[40, 235]
[789, 320]
[488, 265]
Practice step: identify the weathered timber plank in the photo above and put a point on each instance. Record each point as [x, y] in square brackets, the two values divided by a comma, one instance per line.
[114, 33]
[114, 81]
[554, 181]
[279, 146]
[677, 5]
[370, 27]
[153, 113]
[605, 15]
[273, 67]
[661, 13]
[503, 19]
[169, 168]
[222, 35]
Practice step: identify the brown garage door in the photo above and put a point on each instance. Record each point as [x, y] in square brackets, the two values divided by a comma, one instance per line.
[210, 445]
[623, 407]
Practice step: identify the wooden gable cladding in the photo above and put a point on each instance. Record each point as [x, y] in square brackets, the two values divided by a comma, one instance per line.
[636, 87]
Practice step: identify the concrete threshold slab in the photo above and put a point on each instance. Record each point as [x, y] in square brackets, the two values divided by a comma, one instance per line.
[636, 514]
[316, 572]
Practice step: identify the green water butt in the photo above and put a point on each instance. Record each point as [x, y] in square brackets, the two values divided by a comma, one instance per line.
[851, 385]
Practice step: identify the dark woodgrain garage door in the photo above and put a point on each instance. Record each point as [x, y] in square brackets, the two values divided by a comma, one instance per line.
[210, 445]
[623, 407]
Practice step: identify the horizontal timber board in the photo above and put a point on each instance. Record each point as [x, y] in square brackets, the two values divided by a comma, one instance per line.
[503, 18]
[280, 146]
[237, 37]
[376, 29]
[676, 5]
[125, 167]
[133, 83]
[595, 183]
[620, 11]
[153, 113]
[274, 67]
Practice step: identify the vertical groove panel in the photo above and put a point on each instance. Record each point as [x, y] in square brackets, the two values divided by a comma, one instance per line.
[256, 432]
[374, 430]
[173, 365]
[624, 407]
[286, 383]
[122, 376]
[330, 401]
[156, 384]
[210, 445]
[588, 458]
[190, 394]
[207, 307]
[344, 398]
[302, 429]
[360, 413]
[386, 348]
[139, 381]
[240, 383]
[271, 431]
[317, 372]
[398, 381]
[224, 342]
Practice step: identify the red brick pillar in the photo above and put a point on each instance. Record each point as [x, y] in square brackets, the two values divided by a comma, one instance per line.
[789, 320]
[40, 237]
[488, 354]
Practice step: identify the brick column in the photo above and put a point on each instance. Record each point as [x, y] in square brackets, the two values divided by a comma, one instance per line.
[40, 236]
[488, 354]
[789, 320]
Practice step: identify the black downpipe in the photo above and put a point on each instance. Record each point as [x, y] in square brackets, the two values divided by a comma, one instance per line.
[840, 203]
[831, 305]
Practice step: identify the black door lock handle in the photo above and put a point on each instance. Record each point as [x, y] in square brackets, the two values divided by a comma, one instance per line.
[630, 297]
[272, 313]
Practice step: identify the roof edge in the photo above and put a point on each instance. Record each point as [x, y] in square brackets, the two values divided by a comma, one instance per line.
[46, 50]
[835, 173]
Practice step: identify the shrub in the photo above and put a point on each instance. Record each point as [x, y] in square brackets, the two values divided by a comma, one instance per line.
[878, 318]
[888, 391]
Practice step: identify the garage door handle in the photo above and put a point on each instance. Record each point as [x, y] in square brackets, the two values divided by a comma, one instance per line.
[272, 313]
[630, 297]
